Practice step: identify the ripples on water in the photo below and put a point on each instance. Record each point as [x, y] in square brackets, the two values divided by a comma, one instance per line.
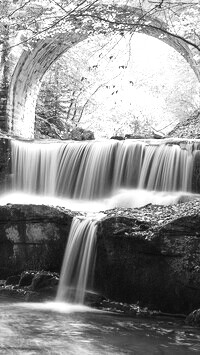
[76, 330]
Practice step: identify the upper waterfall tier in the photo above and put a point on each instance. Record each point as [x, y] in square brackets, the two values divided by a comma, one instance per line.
[90, 170]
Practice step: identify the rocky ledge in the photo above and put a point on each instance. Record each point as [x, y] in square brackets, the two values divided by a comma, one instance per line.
[148, 256]
[32, 237]
[29, 286]
[152, 256]
[189, 128]
[41, 286]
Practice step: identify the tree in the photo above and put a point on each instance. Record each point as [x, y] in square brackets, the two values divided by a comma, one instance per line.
[27, 21]
[36, 19]
[107, 88]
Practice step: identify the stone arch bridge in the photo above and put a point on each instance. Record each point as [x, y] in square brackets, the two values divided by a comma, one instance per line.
[18, 100]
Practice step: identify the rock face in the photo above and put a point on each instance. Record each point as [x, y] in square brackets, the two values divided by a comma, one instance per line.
[194, 318]
[189, 128]
[5, 153]
[196, 172]
[149, 255]
[160, 268]
[32, 237]
[60, 129]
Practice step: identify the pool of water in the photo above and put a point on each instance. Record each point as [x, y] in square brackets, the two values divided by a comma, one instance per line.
[52, 328]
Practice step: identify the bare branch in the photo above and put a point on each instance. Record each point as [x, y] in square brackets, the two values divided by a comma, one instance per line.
[19, 8]
[138, 25]
[94, 92]
[47, 28]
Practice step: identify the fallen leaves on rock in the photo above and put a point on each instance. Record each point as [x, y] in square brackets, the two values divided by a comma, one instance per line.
[157, 215]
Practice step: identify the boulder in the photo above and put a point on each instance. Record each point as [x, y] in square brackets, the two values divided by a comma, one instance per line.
[32, 237]
[157, 267]
[13, 280]
[32, 286]
[194, 318]
[43, 280]
[118, 138]
[134, 136]
[80, 134]
[26, 278]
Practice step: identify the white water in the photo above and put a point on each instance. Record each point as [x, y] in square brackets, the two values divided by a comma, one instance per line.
[78, 261]
[96, 170]
[62, 329]
[125, 198]
[133, 177]
[95, 176]
[59, 307]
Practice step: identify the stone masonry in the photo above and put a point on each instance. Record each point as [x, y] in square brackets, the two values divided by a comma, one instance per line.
[17, 104]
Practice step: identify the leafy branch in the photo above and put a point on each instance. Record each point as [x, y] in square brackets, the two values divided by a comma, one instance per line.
[84, 9]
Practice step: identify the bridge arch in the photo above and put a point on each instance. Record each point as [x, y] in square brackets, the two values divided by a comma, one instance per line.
[32, 65]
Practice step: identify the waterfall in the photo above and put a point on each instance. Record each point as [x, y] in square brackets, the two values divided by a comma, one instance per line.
[93, 170]
[78, 261]
[167, 168]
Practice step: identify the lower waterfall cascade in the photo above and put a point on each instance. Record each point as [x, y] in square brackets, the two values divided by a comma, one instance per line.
[78, 261]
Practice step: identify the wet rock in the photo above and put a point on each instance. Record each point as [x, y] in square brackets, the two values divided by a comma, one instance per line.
[32, 286]
[193, 318]
[196, 172]
[32, 237]
[134, 136]
[15, 294]
[43, 280]
[44, 295]
[10, 294]
[149, 254]
[13, 280]
[93, 299]
[43, 287]
[119, 138]
[80, 134]
[155, 263]
[119, 307]
[26, 278]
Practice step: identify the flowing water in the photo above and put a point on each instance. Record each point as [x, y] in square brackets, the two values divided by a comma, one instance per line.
[93, 176]
[78, 261]
[99, 175]
[62, 329]
[93, 170]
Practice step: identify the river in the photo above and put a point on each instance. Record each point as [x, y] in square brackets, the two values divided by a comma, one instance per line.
[58, 329]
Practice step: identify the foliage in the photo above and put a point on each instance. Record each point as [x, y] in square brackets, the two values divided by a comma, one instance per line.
[50, 106]
[36, 19]
[31, 20]
[108, 85]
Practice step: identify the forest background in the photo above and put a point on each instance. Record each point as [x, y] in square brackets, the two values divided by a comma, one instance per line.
[113, 83]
